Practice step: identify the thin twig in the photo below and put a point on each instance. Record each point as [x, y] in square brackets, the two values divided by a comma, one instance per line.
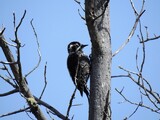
[70, 103]
[141, 105]
[155, 96]
[45, 80]
[9, 93]
[130, 35]
[147, 36]
[1, 34]
[81, 15]
[39, 53]
[29, 115]
[51, 108]
[18, 44]
[137, 59]
[151, 39]
[8, 63]
[144, 53]
[2, 31]
[8, 81]
[134, 111]
[48, 112]
[10, 75]
[117, 76]
[134, 9]
[126, 70]
[16, 28]
[79, 3]
[14, 112]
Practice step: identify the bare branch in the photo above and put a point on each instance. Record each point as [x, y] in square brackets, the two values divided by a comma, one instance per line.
[151, 39]
[144, 55]
[10, 77]
[137, 104]
[8, 63]
[79, 3]
[18, 44]
[9, 93]
[147, 36]
[48, 112]
[29, 115]
[150, 91]
[128, 71]
[16, 69]
[137, 59]
[39, 53]
[134, 111]
[5, 68]
[130, 34]
[8, 81]
[2, 31]
[16, 28]
[81, 15]
[17, 72]
[134, 9]
[9, 57]
[143, 84]
[138, 16]
[70, 103]
[52, 109]
[45, 80]
[1, 34]
[14, 112]
[117, 76]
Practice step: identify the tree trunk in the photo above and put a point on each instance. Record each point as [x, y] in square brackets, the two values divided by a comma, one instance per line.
[97, 19]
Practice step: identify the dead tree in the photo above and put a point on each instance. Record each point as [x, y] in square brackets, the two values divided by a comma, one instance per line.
[146, 90]
[98, 23]
[97, 20]
[13, 67]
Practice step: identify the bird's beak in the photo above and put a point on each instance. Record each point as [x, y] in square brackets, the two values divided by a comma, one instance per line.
[82, 46]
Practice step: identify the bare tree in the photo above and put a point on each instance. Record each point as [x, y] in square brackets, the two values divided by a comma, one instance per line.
[98, 22]
[18, 81]
[146, 90]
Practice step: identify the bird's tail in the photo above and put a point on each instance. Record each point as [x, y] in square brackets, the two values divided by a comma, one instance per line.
[87, 92]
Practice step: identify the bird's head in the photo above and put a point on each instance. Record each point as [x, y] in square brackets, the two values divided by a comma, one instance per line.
[75, 46]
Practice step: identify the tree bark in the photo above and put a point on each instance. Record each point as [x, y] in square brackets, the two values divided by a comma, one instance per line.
[98, 23]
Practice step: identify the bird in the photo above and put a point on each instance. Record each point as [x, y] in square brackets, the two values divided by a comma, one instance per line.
[78, 65]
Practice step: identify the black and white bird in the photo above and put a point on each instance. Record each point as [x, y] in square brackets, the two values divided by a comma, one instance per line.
[79, 67]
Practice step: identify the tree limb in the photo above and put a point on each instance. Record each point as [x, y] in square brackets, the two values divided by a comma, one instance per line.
[14, 112]
[9, 92]
[17, 71]
[54, 111]
[39, 52]
[130, 34]
[70, 103]
[45, 81]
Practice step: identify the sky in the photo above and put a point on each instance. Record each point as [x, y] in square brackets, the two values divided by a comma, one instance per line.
[57, 23]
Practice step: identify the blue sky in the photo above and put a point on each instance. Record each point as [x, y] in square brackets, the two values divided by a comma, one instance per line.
[57, 23]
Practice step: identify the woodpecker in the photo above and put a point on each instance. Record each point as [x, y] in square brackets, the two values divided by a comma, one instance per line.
[79, 67]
